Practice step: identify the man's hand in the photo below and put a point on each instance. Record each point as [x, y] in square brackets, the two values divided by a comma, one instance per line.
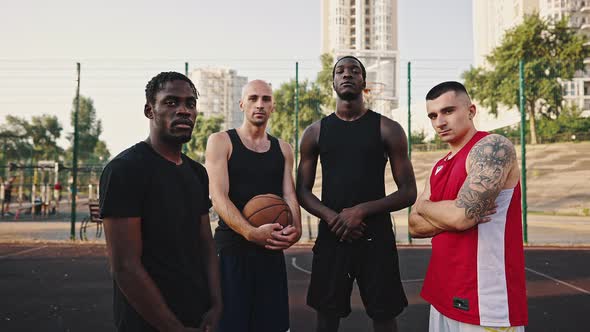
[260, 235]
[284, 238]
[210, 319]
[485, 216]
[348, 225]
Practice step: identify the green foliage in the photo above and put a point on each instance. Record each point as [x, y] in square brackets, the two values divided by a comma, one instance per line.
[568, 123]
[282, 121]
[31, 141]
[551, 52]
[89, 130]
[324, 81]
[204, 127]
[417, 137]
[558, 129]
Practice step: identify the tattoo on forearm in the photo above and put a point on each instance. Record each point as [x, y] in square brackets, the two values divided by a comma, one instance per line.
[491, 160]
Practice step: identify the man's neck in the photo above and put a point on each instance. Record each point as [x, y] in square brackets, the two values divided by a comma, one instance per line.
[460, 143]
[252, 132]
[168, 151]
[350, 110]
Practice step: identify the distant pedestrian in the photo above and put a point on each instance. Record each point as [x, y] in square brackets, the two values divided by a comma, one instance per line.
[7, 195]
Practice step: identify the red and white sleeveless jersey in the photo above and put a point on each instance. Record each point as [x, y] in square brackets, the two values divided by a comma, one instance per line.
[477, 276]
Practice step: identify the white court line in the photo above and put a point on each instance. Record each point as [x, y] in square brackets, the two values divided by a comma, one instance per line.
[294, 263]
[22, 252]
[558, 281]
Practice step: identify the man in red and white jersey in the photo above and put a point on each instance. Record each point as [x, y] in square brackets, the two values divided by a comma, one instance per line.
[471, 208]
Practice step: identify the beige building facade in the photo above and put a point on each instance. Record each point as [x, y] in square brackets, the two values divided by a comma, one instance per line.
[577, 91]
[220, 91]
[491, 19]
[368, 30]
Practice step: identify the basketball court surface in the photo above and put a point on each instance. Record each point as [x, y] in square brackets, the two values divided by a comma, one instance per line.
[67, 287]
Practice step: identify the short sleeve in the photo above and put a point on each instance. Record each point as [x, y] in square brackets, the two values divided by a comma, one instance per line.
[121, 190]
[205, 204]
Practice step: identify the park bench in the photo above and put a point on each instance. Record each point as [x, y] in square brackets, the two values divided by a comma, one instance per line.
[93, 219]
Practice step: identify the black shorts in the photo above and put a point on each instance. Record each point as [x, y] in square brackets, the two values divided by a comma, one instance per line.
[374, 265]
[254, 288]
[7, 196]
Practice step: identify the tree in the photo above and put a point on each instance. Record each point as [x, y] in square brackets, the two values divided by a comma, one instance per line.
[282, 122]
[324, 81]
[418, 137]
[552, 52]
[204, 127]
[45, 130]
[34, 140]
[101, 151]
[89, 130]
[16, 145]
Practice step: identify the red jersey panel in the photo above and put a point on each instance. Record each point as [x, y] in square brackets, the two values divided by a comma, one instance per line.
[477, 276]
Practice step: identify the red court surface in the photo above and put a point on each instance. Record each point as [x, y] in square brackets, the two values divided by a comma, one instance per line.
[64, 287]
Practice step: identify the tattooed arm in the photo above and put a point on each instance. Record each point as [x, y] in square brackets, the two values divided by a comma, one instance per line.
[490, 164]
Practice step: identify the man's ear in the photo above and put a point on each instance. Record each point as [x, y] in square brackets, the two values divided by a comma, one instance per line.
[472, 111]
[148, 111]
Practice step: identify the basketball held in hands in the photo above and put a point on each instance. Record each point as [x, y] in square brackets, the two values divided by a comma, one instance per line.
[267, 209]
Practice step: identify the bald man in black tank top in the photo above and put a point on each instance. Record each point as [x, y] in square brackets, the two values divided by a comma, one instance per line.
[355, 239]
[243, 163]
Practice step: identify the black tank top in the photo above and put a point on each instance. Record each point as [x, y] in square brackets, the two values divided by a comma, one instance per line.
[353, 161]
[250, 173]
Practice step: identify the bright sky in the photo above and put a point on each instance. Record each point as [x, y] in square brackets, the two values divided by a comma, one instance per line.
[122, 44]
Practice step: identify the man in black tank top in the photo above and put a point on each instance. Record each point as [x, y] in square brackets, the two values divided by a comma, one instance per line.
[355, 239]
[243, 163]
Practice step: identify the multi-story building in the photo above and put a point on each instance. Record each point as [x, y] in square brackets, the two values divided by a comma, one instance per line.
[577, 91]
[220, 91]
[491, 20]
[366, 29]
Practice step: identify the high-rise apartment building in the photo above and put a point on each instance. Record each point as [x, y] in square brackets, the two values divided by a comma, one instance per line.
[366, 29]
[491, 20]
[577, 91]
[220, 91]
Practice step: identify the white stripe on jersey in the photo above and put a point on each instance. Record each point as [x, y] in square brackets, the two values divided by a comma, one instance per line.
[491, 265]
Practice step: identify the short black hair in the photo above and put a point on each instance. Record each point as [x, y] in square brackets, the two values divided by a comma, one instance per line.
[364, 71]
[445, 87]
[157, 84]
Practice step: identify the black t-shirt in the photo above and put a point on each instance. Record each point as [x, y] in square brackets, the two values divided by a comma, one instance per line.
[170, 200]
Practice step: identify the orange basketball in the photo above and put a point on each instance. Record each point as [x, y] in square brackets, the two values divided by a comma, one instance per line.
[267, 209]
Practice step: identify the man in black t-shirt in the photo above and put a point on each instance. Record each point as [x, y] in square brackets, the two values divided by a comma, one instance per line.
[355, 238]
[154, 201]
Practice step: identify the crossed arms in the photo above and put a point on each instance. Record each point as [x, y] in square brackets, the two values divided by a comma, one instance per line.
[491, 166]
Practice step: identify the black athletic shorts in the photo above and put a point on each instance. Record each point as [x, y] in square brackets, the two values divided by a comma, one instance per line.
[254, 288]
[374, 266]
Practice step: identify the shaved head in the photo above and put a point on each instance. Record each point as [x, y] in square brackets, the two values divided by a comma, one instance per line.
[444, 87]
[255, 83]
